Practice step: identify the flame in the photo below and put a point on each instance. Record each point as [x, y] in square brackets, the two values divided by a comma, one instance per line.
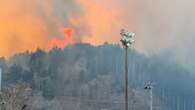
[31, 24]
[68, 39]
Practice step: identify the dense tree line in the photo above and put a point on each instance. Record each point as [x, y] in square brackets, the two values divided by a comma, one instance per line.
[91, 78]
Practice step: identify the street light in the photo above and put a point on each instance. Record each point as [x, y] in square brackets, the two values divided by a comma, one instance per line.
[149, 87]
[127, 40]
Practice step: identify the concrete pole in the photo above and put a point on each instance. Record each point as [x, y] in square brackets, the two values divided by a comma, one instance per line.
[126, 78]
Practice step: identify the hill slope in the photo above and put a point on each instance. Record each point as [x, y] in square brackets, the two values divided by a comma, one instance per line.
[90, 77]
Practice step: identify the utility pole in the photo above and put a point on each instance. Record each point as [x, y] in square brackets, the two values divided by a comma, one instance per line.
[127, 40]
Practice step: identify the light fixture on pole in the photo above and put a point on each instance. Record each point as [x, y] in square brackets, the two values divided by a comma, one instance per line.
[149, 87]
[127, 40]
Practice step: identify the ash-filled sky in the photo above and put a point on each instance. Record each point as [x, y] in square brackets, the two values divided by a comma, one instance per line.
[159, 24]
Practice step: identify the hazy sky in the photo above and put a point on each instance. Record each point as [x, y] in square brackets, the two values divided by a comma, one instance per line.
[159, 24]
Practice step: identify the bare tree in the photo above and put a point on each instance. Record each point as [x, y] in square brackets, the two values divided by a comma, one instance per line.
[15, 97]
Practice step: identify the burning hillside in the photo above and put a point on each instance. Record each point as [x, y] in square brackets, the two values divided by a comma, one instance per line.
[68, 39]
[28, 25]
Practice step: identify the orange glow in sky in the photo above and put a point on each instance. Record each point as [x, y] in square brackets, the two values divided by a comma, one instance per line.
[61, 43]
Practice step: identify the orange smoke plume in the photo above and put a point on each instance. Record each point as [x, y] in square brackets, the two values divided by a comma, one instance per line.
[102, 22]
[20, 27]
[68, 39]
[29, 24]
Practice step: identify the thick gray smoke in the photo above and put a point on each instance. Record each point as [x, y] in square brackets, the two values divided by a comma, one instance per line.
[162, 26]
[159, 25]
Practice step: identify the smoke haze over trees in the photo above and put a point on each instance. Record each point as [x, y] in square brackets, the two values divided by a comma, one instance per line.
[85, 77]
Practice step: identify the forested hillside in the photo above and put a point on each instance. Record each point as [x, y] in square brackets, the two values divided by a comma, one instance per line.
[84, 77]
